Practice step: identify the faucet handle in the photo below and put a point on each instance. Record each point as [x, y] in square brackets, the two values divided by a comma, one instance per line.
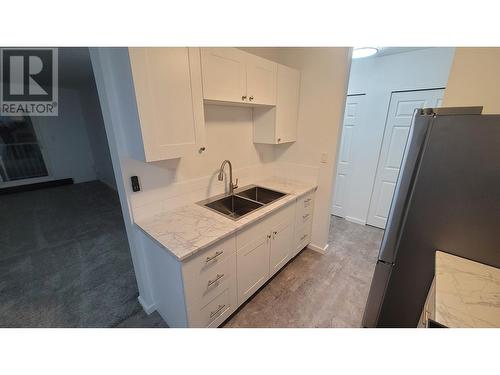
[235, 185]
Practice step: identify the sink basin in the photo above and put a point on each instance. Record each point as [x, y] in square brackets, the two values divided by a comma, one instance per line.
[260, 194]
[245, 201]
[233, 206]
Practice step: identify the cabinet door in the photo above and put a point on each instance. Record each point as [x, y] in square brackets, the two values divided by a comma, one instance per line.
[252, 266]
[167, 84]
[224, 74]
[281, 245]
[287, 104]
[261, 80]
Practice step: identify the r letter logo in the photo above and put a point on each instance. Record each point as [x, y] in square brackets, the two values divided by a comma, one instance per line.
[29, 82]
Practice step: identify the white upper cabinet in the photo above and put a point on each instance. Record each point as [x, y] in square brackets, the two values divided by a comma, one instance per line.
[279, 124]
[261, 80]
[234, 76]
[168, 91]
[224, 74]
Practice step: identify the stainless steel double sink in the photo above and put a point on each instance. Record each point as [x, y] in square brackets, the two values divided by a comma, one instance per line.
[244, 201]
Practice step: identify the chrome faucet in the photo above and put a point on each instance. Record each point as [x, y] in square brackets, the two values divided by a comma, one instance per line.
[220, 177]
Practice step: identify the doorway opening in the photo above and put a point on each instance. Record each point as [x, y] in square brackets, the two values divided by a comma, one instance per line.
[383, 92]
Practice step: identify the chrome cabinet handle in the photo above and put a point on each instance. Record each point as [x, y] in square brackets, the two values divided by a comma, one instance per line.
[268, 236]
[304, 217]
[279, 140]
[250, 98]
[217, 278]
[217, 254]
[307, 200]
[243, 97]
[303, 237]
[213, 313]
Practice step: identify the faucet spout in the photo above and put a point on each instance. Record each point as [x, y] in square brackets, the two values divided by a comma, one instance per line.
[220, 177]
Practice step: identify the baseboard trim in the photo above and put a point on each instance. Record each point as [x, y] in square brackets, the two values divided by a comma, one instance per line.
[36, 186]
[318, 249]
[148, 309]
[354, 220]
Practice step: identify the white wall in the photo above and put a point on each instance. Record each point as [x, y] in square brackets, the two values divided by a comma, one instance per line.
[323, 85]
[378, 77]
[66, 141]
[475, 79]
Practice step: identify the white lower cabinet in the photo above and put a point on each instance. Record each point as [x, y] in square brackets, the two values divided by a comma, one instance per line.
[252, 266]
[204, 290]
[281, 245]
[262, 249]
[210, 284]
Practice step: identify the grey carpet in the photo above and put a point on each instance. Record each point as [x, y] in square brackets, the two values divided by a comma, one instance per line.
[65, 260]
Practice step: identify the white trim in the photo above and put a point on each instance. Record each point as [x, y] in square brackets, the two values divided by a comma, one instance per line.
[354, 220]
[110, 66]
[148, 309]
[318, 249]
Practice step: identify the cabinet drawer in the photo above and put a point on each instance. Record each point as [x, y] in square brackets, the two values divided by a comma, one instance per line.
[198, 266]
[209, 283]
[303, 219]
[214, 312]
[305, 205]
[264, 225]
[302, 237]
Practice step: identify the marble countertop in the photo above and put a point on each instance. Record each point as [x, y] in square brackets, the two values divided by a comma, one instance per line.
[188, 229]
[467, 293]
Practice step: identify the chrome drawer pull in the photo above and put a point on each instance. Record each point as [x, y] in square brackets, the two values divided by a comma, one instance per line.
[305, 216]
[217, 253]
[213, 313]
[307, 200]
[217, 278]
[303, 237]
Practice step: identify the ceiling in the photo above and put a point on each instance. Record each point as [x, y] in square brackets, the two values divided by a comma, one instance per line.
[384, 51]
[75, 68]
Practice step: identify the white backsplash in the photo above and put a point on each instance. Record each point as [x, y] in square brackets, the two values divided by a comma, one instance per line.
[160, 192]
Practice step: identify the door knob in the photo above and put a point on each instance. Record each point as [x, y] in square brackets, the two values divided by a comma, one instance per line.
[243, 97]
[250, 98]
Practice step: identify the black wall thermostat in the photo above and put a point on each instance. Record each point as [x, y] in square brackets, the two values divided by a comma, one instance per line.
[135, 183]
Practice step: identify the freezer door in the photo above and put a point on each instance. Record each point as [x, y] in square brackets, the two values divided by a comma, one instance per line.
[402, 192]
[376, 295]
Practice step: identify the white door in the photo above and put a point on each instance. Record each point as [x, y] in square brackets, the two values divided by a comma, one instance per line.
[252, 262]
[352, 120]
[261, 80]
[167, 85]
[281, 245]
[224, 74]
[396, 131]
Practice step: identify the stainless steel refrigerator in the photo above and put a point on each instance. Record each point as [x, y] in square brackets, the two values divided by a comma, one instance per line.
[447, 197]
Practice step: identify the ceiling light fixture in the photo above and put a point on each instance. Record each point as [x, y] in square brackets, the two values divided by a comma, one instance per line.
[360, 52]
